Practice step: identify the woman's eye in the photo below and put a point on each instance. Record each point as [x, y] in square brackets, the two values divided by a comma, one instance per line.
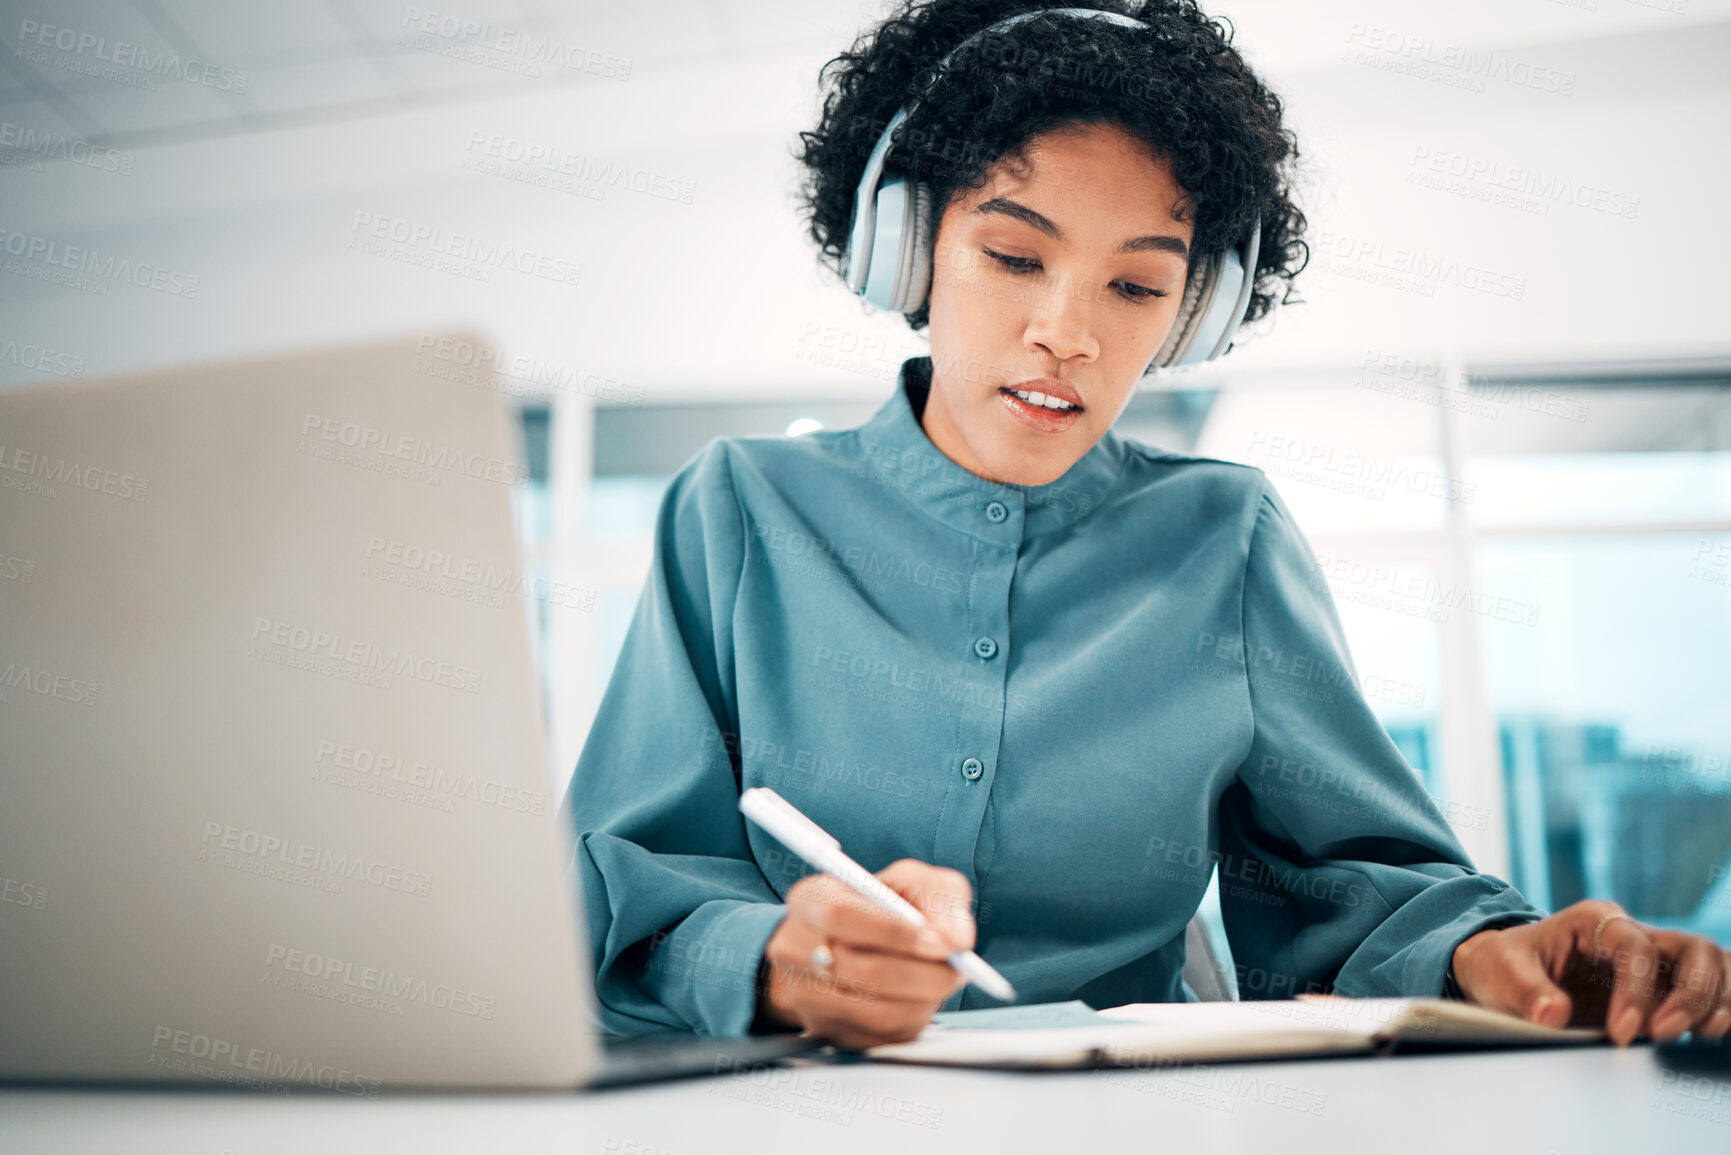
[1014, 264]
[1127, 290]
[1138, 293]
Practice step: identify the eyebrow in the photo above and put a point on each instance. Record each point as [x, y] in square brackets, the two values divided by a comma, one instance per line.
[1149, 244]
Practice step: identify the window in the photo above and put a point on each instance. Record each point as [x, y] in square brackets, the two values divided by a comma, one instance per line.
[1614, 713]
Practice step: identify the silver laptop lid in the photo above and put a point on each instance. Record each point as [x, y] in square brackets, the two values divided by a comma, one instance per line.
[274, 804]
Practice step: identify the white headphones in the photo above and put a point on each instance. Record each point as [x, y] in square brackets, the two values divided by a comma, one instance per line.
[889, 252]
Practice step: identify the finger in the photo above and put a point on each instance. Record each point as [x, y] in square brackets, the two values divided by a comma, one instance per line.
[869, 1023]
[797, 983]
[1719, 1022]
[834, 911]
[1696, 986]
[1523, 987]
[870, 1027]
[791, 951]
[1634, 993]
[896, 977]
[870, 927]
[853, 977]
[943, 895]
[864, 977]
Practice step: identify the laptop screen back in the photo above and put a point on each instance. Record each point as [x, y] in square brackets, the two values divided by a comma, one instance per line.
[275, 809]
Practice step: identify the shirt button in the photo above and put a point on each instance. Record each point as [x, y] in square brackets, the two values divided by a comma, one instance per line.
[985, 647]
[973, 768]
[997, 511]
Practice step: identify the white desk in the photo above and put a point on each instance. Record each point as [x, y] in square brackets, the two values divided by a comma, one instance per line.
[1564, 1101]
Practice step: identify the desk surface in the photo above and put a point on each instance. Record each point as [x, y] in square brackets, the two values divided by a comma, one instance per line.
[1536, 1102]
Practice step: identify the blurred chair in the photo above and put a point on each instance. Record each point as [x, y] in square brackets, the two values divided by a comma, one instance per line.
[1204, 971]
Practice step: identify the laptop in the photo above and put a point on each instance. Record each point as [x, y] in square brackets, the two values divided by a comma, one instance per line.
[275, 804]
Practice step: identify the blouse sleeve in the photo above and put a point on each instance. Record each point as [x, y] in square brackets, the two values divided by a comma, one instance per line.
[1337, 869]
[678, 911]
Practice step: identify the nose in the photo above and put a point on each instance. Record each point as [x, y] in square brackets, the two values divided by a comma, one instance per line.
[1061, 323]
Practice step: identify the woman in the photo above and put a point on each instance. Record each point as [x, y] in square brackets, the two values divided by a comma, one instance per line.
[1044, 679]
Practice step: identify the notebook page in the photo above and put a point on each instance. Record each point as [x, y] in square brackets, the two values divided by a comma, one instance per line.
[1139, 1033]
[1439, 1021]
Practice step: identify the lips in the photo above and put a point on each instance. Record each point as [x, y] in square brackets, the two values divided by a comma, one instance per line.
[1050, 388]
[1038, 416]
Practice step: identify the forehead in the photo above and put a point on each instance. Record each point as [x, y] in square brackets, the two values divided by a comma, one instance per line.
[1097, 168]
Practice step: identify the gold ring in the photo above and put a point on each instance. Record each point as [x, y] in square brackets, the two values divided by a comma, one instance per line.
[1600, 929]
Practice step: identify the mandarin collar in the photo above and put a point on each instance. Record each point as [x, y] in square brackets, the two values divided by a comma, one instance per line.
[899, 455]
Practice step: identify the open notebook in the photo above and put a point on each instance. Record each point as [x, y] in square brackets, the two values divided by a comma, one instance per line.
[1051, 1035]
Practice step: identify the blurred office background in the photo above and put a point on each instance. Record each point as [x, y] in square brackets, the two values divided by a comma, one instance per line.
[1502, 413]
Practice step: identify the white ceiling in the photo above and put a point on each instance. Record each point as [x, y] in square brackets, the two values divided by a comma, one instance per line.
[304, 61]
[297, 61]
[257, 193]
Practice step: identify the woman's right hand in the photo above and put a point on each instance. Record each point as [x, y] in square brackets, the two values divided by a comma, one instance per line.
[889, 978]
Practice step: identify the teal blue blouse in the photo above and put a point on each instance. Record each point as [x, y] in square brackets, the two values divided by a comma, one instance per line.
[1086, 696]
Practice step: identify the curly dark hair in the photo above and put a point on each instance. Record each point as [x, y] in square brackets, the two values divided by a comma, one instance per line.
[1183, 89]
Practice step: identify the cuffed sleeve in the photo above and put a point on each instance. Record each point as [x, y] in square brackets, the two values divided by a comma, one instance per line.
[1338, 871]
[678, 911]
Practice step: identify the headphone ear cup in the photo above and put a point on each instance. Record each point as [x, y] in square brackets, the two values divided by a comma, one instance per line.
[918, 281]
[1192, 307]
[1208, 321]
[886, 273]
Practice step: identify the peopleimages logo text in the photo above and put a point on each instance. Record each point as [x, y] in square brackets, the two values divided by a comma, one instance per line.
[124, 54]
[365, 438]
[80, 259]
[227, 1061]
[376, 980]
[55, 470]
[466, 247]
[515, 42]
[367, 655]
[281, 851]
[47, 683]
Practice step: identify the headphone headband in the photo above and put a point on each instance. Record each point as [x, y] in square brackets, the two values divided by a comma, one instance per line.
[889, 252]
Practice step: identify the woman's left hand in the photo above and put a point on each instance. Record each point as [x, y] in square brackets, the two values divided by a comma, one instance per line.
[1592, 965]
